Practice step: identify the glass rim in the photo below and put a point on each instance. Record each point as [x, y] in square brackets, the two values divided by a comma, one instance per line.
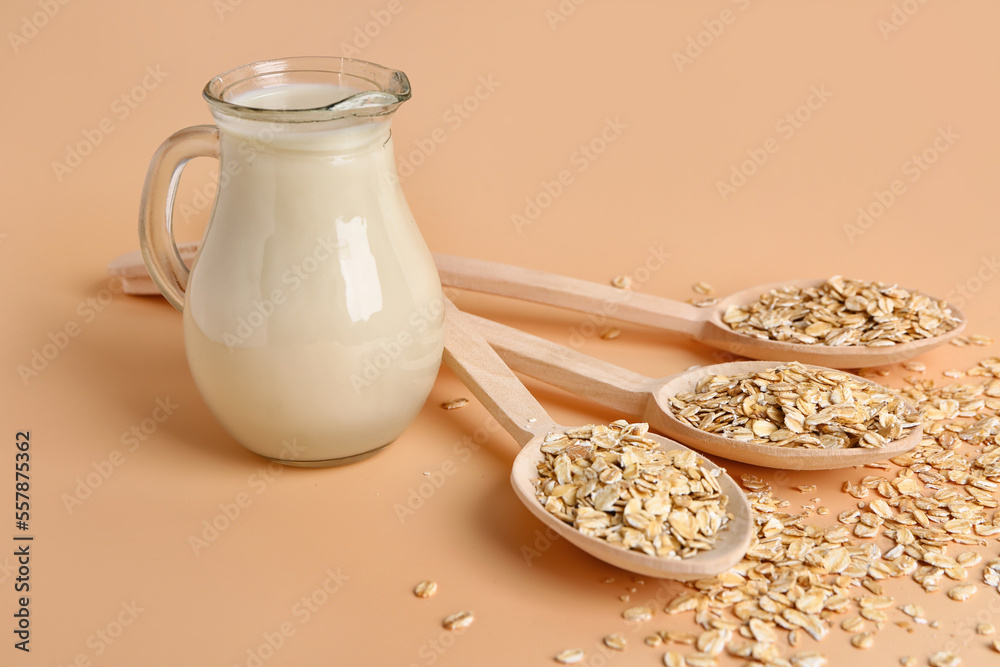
[380, 89]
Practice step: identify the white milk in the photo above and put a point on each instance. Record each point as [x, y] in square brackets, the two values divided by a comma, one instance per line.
[314, 311]
[293, 96]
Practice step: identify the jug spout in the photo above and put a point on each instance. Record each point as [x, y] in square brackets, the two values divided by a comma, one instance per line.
[308, 90]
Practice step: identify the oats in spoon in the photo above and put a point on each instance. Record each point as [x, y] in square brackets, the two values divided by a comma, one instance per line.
[613, 483]
[842, 312]
[792, 405]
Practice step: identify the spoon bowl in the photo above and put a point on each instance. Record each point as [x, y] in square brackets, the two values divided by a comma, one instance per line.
[516, 410]
[718, 334]
[729, 546]
[648, 399]
[660, 416]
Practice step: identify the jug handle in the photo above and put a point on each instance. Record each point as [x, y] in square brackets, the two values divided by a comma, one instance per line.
[156, 237]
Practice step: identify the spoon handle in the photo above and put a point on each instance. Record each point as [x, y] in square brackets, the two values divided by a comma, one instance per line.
[490, 380]
[555, 290]
[577, 373]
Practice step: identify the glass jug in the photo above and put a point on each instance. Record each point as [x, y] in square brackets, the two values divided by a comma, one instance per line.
[313, 317]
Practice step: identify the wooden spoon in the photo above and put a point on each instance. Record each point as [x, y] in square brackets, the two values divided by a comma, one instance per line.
[702, 324]
[516, 410]
[648, 399]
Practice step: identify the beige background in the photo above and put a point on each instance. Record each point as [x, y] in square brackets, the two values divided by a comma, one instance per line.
[887, 81]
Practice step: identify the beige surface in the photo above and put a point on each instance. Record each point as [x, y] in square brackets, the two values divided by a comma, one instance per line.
[531, 95]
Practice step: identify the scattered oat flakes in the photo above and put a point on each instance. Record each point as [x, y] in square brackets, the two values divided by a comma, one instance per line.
[622, 282]
[700, 660]
[937, 503]
[944, 659]
[996, 645]
[863, 640]
[673, 659]
[611, 333]
[681, 603]
[702, 288]
[425, 589]
[969, 558]
[615, 642]
[914, 366]
[806, 488]
[808, 659]
[458, 621]
[570, 656]
[962, 592]
[703, 303]
[676, 637]
[454, 404]
[637, 614]
[908, 661]
[713, 642]
[981, 340]
[852, 624]
[653, 640]
[985, 629]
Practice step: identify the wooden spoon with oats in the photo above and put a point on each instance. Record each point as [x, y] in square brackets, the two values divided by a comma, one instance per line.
[517, 411]
[836, 323]
[788, 416]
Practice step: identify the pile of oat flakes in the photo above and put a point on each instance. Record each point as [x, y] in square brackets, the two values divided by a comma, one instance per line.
[843, 312]
[791, 405]
[932, 505]
[615, 484]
